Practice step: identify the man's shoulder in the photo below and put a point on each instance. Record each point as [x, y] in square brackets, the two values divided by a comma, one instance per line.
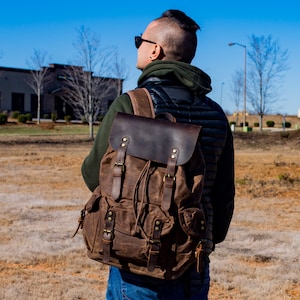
[121, 104]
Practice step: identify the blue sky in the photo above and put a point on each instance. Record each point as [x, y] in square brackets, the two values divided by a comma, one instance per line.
[51, 26]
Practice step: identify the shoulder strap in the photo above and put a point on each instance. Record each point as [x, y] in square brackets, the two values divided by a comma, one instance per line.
[141, 102]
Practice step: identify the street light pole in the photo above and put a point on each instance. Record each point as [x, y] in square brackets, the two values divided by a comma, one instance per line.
[245, 80]
[221, 97]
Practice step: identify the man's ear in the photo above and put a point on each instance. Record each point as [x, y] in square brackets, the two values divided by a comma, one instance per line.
[157, 52]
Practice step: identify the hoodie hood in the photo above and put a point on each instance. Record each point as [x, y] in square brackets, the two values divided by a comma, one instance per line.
[191, 77]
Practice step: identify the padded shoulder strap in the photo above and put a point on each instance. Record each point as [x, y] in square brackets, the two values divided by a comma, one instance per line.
[142, 102]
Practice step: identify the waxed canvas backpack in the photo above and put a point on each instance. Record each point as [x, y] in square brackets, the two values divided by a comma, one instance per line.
[146, 215]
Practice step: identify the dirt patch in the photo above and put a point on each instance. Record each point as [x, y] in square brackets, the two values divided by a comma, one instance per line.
[267, 140]
[42, 192]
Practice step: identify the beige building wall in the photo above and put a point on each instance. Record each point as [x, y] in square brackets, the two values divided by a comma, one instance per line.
[14, 81]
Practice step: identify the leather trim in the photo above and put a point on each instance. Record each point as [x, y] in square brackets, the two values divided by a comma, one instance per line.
[153, 139]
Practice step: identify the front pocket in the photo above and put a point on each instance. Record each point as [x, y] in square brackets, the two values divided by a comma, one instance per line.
[192, 221]
[92, 224]
[92, 230]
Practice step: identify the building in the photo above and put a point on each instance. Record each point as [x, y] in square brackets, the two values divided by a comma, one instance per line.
[16, 94]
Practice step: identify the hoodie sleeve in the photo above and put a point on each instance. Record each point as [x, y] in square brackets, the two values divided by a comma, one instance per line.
[91, 164]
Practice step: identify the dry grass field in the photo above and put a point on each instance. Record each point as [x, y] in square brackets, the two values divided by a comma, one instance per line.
[41, 193]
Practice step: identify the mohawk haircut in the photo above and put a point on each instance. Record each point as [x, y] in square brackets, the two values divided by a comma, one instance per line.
[185, 22]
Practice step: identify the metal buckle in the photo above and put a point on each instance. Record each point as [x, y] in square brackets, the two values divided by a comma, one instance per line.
[169, 176]
[120, 165]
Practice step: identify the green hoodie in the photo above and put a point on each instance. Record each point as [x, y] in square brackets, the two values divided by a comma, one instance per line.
[190, 76]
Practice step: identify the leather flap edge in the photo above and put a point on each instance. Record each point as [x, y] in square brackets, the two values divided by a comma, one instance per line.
[153, 139]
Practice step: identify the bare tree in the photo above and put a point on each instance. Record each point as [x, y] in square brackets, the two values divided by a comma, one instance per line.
[85, 93]
[119, 70]
[87, 83]
[237, 90]
[39, 76]
[267, 65]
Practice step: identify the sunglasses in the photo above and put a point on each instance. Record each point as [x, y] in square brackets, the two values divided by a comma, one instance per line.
[138, 40]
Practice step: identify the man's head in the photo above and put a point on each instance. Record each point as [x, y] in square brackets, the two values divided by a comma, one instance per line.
[169, 37]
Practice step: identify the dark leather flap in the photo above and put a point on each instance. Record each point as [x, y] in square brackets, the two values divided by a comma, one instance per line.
[153, 139]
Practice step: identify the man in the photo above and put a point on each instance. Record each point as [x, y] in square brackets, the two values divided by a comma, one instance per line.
[165, 51]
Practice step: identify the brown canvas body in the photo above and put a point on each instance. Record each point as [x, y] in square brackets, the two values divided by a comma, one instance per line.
[146, 215]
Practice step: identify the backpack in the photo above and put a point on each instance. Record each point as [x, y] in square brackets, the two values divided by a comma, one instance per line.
[146, 215]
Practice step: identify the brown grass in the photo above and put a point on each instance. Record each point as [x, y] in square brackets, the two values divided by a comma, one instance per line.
[41, 193]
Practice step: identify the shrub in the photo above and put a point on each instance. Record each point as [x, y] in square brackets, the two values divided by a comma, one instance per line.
[22, 118]
[3, 118]
[54, 116]
[68, 118]
[15, 114]
[46, 116]
[29, 117]
[286, 124]
[256, 124]
[270, 123]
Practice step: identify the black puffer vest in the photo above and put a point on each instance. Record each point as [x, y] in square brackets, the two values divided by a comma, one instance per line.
[187, 107]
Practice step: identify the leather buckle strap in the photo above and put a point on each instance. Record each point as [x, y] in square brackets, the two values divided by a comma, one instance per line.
[119, 168]
[202, 252]
[141, 102]
[155, 245]
[80, 221]
[199, 257]
[108, 235]
[169, 180]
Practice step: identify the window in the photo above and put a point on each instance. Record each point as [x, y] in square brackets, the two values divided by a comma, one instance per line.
[17, 102]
